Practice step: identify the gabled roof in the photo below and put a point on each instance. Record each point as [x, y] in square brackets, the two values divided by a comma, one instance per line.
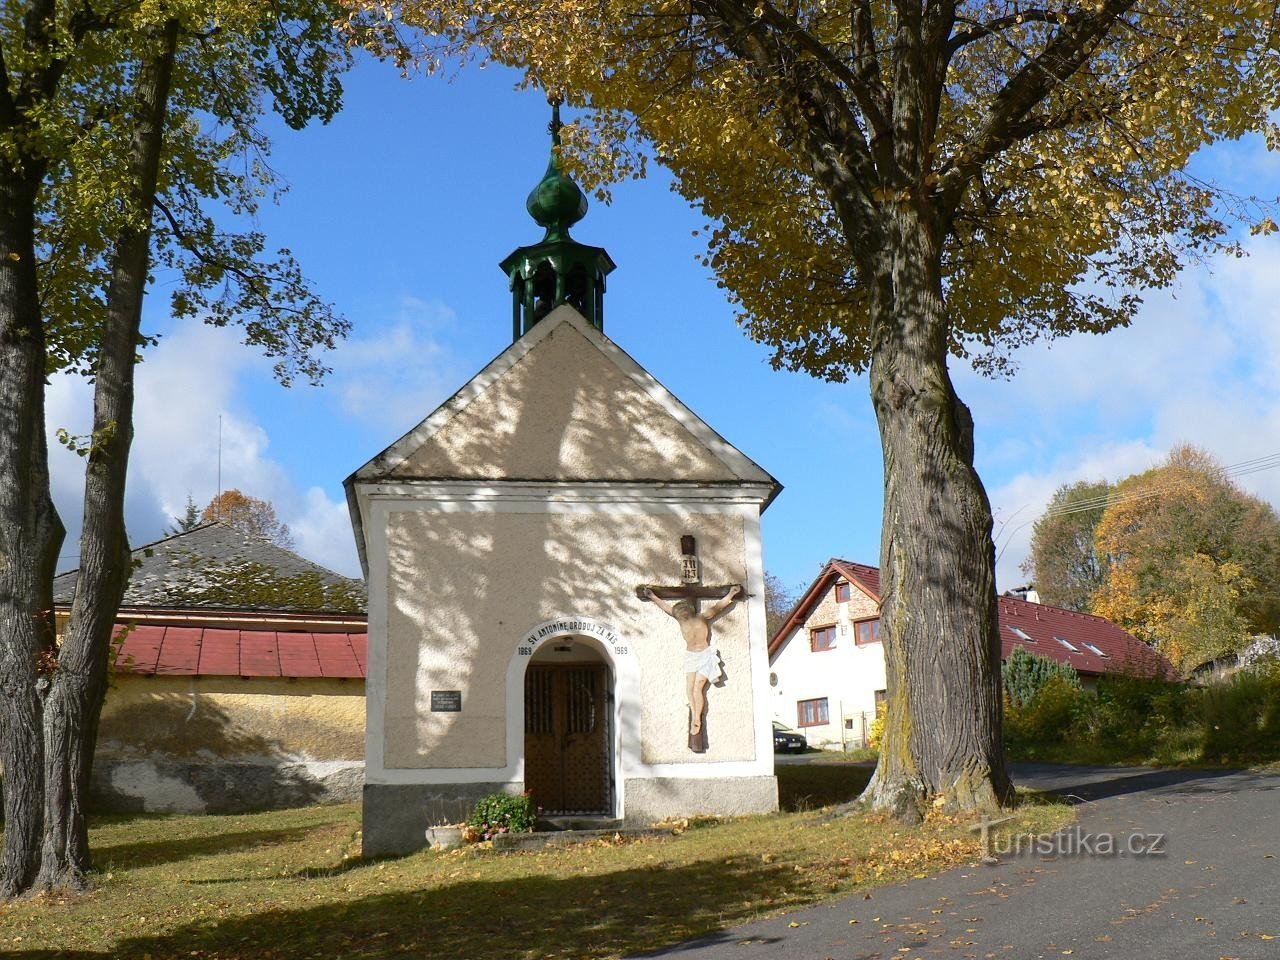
[1100, 646]
[198, 569]
[563, 403]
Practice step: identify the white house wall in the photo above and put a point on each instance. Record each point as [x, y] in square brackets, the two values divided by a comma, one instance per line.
[847, 675]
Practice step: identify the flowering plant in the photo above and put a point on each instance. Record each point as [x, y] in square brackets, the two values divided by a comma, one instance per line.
[498, 813]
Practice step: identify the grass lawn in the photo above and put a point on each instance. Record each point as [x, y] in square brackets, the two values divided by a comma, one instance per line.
[287, 884]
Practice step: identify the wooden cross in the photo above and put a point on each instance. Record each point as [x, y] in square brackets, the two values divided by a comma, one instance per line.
[692, 587]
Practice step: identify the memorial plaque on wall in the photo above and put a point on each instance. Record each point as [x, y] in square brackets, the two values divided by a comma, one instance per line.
[446, 701]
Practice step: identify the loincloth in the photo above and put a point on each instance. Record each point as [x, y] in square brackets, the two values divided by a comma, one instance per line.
[705, 662]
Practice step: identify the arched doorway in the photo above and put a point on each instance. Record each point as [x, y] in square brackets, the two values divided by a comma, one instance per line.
[568, 729]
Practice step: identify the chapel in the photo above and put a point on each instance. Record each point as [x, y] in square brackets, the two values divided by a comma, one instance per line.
[565, 583]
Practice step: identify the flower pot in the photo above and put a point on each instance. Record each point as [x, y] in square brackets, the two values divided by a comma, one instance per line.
[444, 838]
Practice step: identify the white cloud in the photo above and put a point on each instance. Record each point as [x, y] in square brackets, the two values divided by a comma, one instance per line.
[403, 366]
[1201, 364]
[185, 384]
[322, 532]
[196, 375]
[189, 380]
[1018, 502]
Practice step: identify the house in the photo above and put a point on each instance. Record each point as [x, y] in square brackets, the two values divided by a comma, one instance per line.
[238, 680]
[827, 666]
[523, 545]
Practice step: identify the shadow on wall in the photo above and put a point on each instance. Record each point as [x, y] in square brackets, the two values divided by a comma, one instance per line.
[552, 424]
[167, 752]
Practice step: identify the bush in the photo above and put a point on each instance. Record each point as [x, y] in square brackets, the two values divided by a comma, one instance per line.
[875, 732]
[1242, 716]
[1035, 728]
[1026, 674]
[1144, 720]
[497, 813]
[1137, 715]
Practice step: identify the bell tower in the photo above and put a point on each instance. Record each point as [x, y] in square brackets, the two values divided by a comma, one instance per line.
[558, 269]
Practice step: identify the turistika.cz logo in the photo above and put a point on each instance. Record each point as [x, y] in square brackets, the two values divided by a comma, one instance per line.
[1071, 842]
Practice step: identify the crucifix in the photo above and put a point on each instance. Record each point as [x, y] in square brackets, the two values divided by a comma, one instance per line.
[701, 659]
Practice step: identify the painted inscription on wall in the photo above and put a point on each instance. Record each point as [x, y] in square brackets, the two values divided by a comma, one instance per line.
[571, 626]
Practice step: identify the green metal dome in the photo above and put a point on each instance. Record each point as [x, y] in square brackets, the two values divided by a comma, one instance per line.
[557, 269]
[556, 203]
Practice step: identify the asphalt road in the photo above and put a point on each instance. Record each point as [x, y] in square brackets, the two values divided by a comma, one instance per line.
[1210, 888]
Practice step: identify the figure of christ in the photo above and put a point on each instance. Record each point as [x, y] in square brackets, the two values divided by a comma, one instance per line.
[701, 659]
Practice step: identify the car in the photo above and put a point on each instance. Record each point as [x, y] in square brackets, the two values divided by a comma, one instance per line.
[786, 740]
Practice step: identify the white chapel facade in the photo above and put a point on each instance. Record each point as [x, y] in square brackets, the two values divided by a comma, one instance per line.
[510, 542]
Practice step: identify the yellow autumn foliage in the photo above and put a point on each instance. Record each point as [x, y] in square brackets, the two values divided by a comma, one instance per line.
[761, 109]
[1188, 555]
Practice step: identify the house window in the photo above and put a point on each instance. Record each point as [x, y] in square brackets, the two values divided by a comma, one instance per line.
[843, 592]
[812, 713]
[822, 638]
[1105, 656]
[866, 631]
[1067, 643]
[1022, 634]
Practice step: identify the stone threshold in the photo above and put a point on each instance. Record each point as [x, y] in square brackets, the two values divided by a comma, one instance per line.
[563, 838]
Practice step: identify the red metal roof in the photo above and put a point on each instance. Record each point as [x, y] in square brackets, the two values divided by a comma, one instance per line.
[212, 652]
[1116, 650]
[1101, 646]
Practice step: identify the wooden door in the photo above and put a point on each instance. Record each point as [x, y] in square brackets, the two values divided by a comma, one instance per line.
[567, 736]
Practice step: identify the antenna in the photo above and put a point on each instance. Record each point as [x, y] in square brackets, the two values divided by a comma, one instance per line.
[218, 498]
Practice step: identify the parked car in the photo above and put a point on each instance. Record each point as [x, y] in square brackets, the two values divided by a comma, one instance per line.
[786, 740]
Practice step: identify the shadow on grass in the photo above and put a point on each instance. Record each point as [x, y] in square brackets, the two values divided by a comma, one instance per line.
[1182, 781]
[622, 912]
[807, 786]
[151, 853]
[306, 873]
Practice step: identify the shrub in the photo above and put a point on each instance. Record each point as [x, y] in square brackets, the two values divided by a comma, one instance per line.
[1026, 674]
[1046, 721]
[875, 732]
[1242, 716]
[1137, 714]
[497, 813]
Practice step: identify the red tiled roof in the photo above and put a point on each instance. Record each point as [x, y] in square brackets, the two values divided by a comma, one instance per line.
[866, 577]
[1117, 650]
[212, 652]
[1113, 649]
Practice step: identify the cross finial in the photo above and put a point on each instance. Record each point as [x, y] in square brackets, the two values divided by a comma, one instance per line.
[555, 98]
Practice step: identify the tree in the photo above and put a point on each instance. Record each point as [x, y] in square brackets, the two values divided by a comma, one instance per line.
[1025, 674]
[189, 520]
[1063, 565]
[249, 515]
[119, 123]
[778, 601]
[1191, 559]
[892, 183]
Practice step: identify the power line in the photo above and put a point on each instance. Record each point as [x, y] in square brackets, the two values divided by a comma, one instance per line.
[1243, 468]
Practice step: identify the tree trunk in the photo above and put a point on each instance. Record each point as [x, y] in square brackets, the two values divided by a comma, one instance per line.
[30, 531]
[74, 702]
[938, 616]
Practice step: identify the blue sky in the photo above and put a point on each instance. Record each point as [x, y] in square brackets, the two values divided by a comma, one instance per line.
[399, 211]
